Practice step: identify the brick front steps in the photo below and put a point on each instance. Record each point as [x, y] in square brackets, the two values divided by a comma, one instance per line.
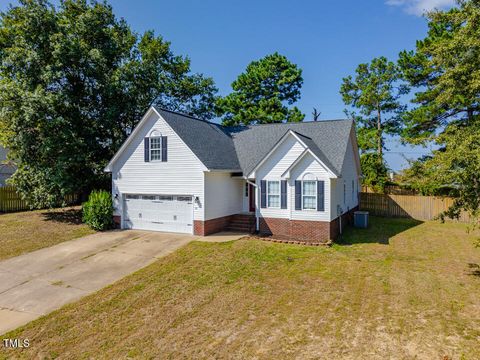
[241, 223]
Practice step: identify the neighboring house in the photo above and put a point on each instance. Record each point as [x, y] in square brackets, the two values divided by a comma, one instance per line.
[6, 170]
[181, 174]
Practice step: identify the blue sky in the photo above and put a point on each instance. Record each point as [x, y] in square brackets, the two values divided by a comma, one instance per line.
[327, 39]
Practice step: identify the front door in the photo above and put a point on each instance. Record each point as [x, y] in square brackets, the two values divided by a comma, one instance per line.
[251, 197]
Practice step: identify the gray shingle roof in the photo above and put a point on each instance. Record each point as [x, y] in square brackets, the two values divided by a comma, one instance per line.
[242, 148]
[209, 141]
[327, 139]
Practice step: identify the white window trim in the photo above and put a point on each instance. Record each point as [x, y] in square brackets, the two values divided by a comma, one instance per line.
[316, 195]
[150, 149]
[279, 195]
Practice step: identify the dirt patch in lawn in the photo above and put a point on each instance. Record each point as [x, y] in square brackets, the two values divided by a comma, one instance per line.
[410, 297]
[32, 230]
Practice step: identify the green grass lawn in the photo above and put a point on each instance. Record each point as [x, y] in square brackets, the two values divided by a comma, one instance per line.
[399, 290]
[27, 231]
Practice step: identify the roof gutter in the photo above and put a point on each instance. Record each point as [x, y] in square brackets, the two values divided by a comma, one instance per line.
[223, 170]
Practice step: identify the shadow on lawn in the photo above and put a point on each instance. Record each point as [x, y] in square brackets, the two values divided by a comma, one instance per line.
[66, 216]
[474, 269]
[379, 231]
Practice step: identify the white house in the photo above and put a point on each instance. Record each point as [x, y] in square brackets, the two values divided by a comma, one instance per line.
[181, 174]
[6, 169]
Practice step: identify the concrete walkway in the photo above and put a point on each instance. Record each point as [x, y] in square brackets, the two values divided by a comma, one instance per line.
[39, 282]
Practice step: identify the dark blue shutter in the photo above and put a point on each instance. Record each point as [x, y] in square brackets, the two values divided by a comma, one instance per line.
[283, 197]
[320, 195]
[164, 148]
[263, 194]
[298, 195]
[146, 143]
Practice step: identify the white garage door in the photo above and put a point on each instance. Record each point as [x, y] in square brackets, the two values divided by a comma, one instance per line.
[173, 213]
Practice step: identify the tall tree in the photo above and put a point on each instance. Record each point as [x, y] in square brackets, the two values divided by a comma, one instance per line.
[457, 166]
[374, 95]
[263, 93]
[374, 99]
[445, 69]
[74, 81]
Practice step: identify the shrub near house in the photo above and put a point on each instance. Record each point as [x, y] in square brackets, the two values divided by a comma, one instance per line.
[98, 211]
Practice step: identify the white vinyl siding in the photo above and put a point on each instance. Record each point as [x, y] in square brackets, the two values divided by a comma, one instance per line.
[341, 200]
[223, 195]
[183, 174]
[273, 168]
[309, 167]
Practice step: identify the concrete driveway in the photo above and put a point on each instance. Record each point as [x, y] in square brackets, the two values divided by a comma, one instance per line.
[39, 282]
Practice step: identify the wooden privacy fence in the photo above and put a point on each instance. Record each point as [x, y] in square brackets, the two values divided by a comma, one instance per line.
[412, 206]
[10, 200]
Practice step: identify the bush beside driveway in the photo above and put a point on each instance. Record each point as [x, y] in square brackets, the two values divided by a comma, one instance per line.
[24, 232]
[398, 290]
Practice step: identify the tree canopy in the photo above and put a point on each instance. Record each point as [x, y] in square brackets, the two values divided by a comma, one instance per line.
[74, 81]
[263, 93]
[374, 97]
[445, 70]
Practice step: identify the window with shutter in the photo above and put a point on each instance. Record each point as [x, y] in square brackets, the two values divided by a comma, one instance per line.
[156, 148]
[320, 195]
[309, 195]
[283, 190]
[263, 194]
[164, 148]
[146, 145]
[298, 195]
[273, 194]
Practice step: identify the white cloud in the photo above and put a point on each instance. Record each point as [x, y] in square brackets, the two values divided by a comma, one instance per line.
[419, 7]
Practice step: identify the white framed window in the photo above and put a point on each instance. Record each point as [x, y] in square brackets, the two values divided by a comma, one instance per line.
[149, 197]
[155, 148]
[165, 198]
[309, 195]
[273, 194]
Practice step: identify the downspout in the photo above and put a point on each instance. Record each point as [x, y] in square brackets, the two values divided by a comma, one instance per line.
[340, 213]
[257, 219]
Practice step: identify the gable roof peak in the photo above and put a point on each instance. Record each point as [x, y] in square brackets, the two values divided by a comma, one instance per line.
[159, 109]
